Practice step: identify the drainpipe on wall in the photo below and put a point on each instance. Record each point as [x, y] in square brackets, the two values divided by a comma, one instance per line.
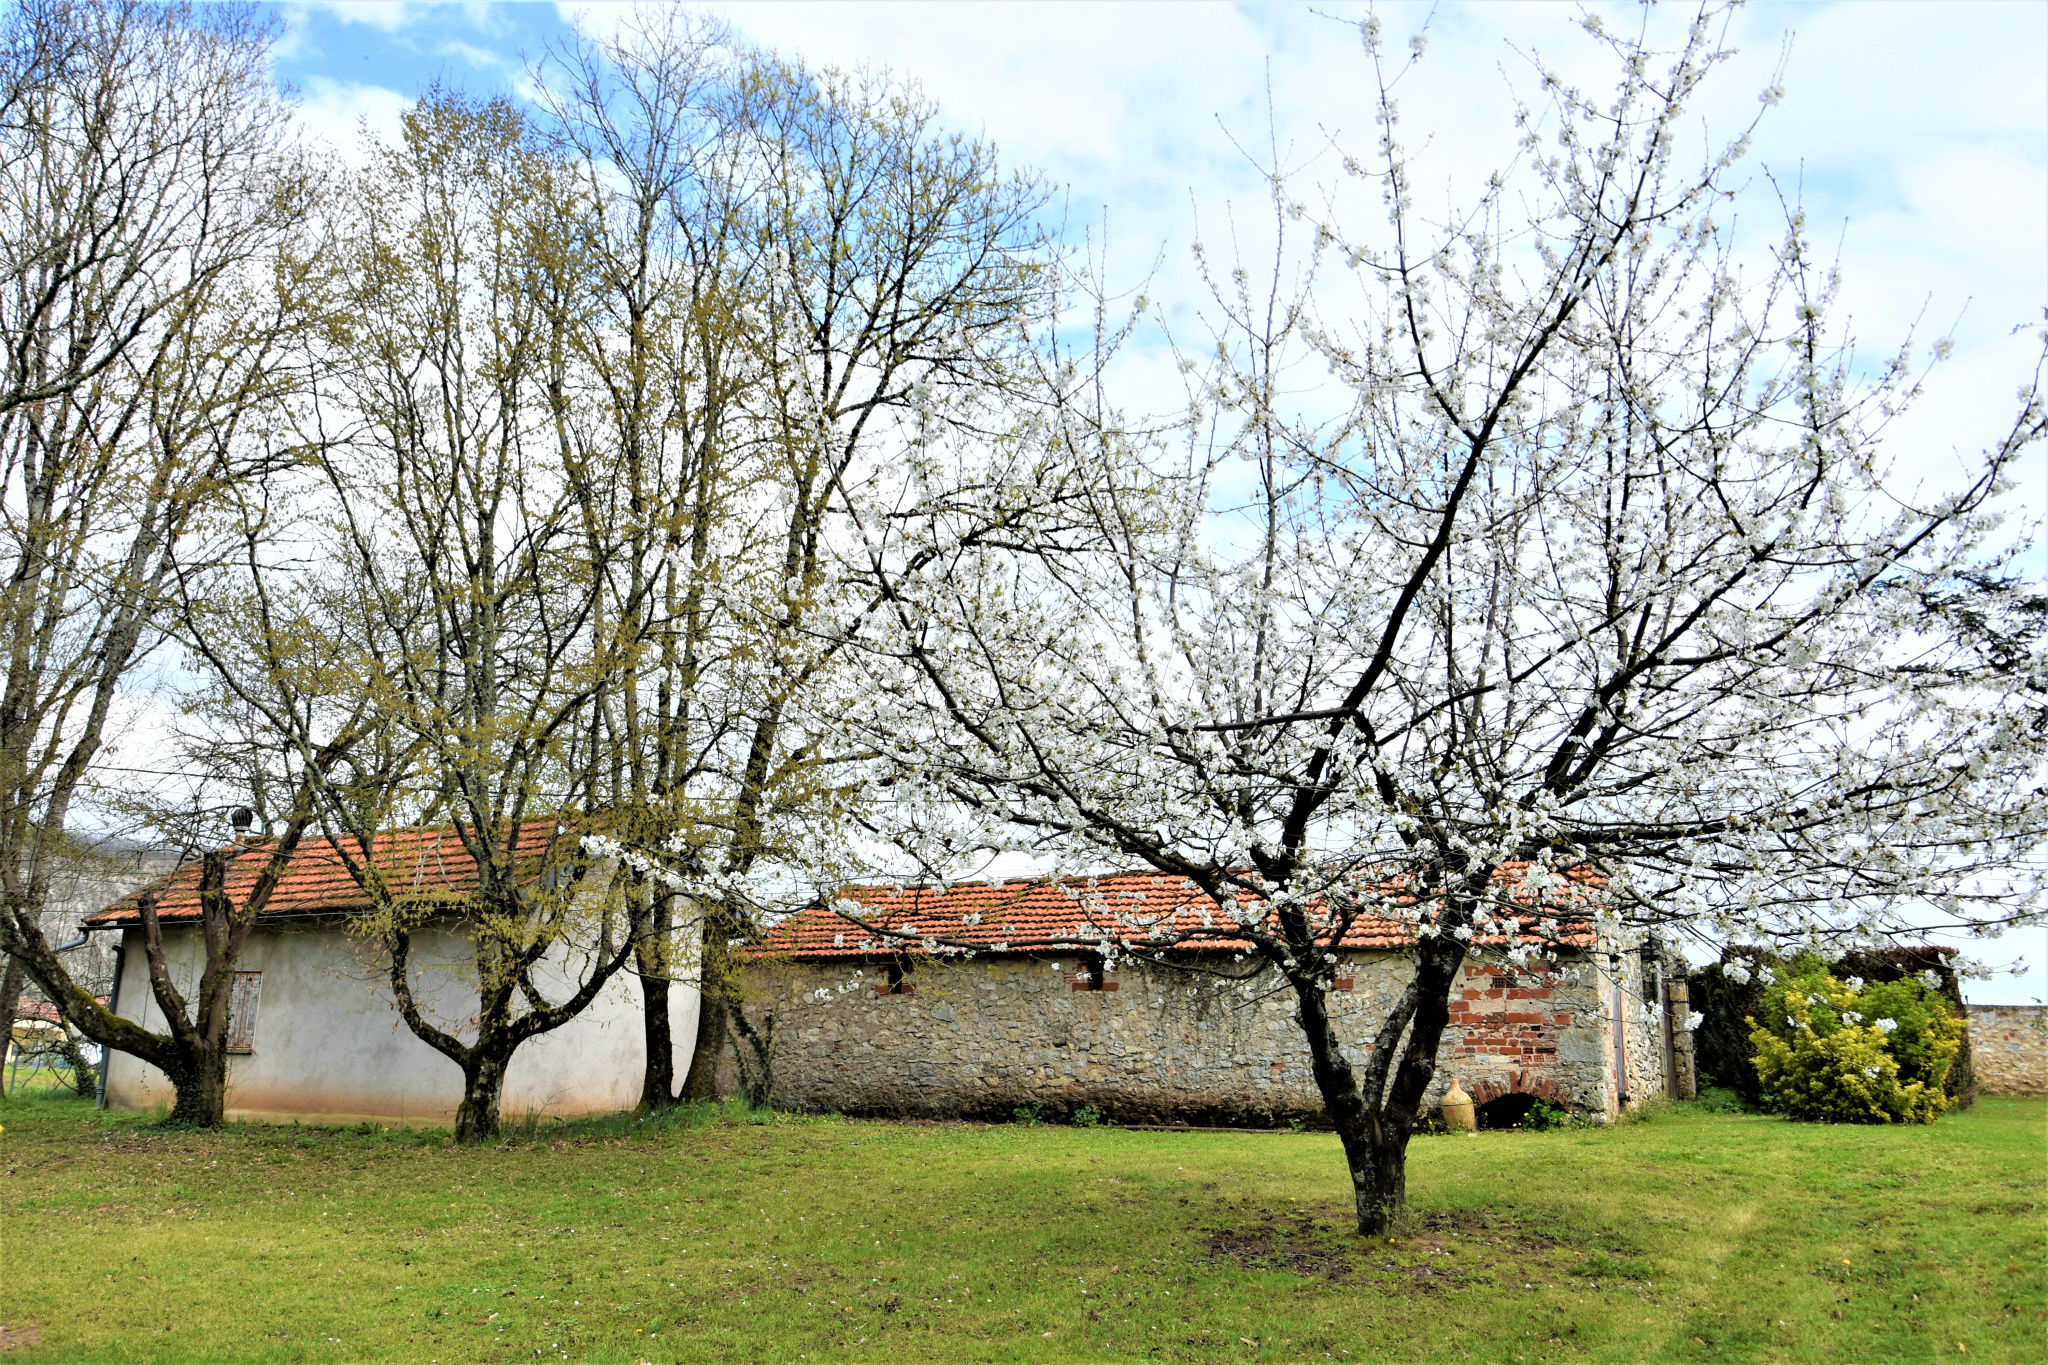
[1620, 1038]
[114, 1006]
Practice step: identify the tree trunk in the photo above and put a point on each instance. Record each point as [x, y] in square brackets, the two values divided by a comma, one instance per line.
[10, 996]
[1375, 1137]
[1376, 1153]
[483, 1090]
[1378, 1158]
[757, 1081]
[201, 1089]
[658, 1082]
[702, 1083]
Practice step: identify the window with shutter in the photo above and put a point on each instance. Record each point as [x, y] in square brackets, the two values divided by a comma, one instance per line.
[893, 981]
[1093, 976]
[242, 1011]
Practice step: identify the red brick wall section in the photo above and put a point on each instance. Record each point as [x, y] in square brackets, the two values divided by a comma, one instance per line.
[1505, 1016]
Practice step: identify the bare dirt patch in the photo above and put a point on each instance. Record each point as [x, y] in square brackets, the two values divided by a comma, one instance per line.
[1431, 1252]
[1301, 1244]
[1441, 1231]
[13, 1334]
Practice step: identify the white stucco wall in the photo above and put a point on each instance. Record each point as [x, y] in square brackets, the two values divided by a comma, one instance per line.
[330, 1045]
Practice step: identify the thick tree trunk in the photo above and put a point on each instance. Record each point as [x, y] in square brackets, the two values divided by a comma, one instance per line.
[200, 1089]
[658, 1081]
[702, 1083]
[10, 996]
[1378, 1159]
[483, 1089]
[757, 1080]
[1374, 1123]
[1376, 1153]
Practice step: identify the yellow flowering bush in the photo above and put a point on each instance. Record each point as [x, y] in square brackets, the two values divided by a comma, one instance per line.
[1834, 1052]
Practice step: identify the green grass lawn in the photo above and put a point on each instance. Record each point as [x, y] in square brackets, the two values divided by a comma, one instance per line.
[1691, 1236]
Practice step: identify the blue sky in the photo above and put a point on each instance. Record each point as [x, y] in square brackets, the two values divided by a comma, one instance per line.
[1916, 135]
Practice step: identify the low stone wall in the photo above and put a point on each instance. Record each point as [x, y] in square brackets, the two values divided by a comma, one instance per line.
[2009, 1048]
[982, 1037]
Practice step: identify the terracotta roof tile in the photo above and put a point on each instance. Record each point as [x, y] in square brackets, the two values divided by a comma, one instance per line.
[1069, 914]
[41, 1011]
[422, 864]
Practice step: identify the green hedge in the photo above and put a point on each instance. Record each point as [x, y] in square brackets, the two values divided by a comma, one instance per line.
[1831, 1051]
[1731, 992]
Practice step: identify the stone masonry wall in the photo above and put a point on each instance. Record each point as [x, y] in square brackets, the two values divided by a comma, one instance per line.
[2009, 1048]
[981, 1037]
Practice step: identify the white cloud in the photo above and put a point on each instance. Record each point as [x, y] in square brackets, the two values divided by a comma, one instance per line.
[338, 113]
[1913, 133]
[381, 15]
[478, 58]
[391, 17]
[387, 16]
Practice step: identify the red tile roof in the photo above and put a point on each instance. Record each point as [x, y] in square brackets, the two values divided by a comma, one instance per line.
[40, 1010]
[421, 865]
[1078, 912]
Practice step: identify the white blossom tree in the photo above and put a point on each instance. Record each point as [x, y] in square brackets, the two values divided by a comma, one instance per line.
[1597, 573]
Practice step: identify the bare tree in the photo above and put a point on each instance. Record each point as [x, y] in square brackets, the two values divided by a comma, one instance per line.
[906, 274]
[1598, 575]
[792, 263]
[442, 595]
[664, 465]
[129, 135]
[151, 304]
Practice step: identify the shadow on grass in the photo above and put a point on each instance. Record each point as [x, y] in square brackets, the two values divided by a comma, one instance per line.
[534, 1128]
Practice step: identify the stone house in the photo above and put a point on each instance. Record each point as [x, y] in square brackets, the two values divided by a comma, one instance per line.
[839, 1021]
[314, 1032]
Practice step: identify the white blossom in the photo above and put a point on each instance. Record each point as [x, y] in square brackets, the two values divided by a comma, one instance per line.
[1326, 713]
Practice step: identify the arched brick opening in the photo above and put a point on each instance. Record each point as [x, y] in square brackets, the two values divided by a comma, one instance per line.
[1510, 1111]
[1505, 1102]
[1518, 1083]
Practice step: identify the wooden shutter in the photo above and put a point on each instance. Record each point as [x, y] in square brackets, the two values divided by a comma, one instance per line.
[242, 1011]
